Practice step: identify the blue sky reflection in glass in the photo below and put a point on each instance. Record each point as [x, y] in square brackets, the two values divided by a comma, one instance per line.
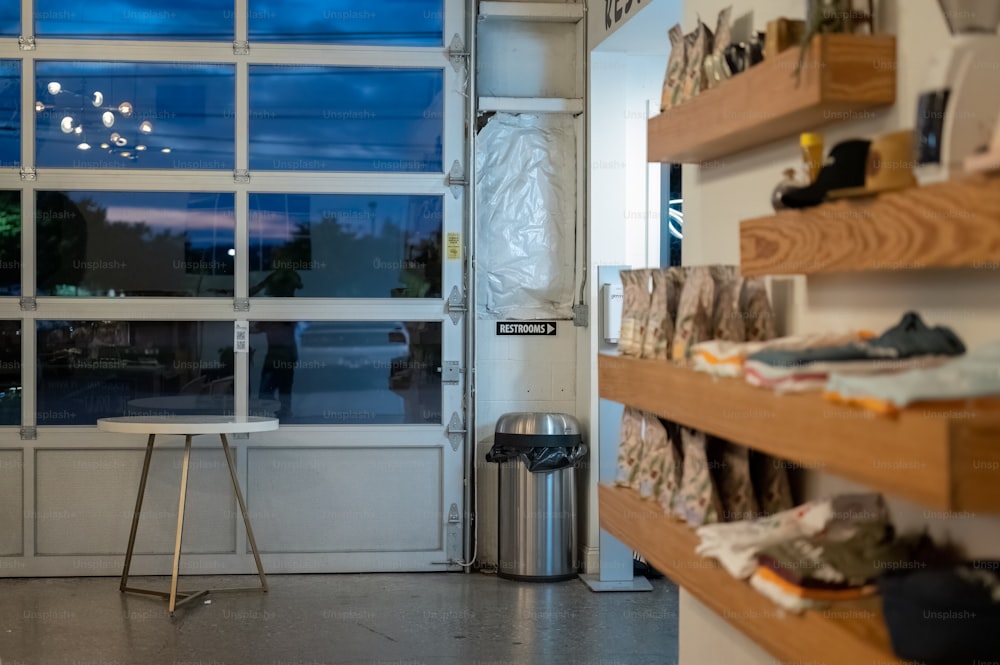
[349, 22]
[103, 115]
[364, 119]
[10, 114]
[10, 18]
[188, 20]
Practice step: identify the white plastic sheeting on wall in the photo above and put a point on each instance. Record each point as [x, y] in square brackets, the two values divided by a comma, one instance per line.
[526, 216]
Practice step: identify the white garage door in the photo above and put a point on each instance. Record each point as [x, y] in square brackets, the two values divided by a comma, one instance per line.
[170, 182]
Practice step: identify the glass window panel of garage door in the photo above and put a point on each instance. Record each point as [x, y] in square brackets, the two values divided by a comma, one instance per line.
[372, 23]
[346, 372]
[120, 244]
[10, 114]
[10, 243]
[96, 369]
[192, 20]
[345, 245]
[129, 115]
[10, 18]
[346, 119]
[10, 372]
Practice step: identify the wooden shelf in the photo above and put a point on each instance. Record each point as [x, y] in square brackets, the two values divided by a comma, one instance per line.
[946, 459]
[846, 634]
[843, 78]
[553, 12]
[947, 225]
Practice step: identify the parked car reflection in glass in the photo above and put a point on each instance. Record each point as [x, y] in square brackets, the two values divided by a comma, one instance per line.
[343, 372]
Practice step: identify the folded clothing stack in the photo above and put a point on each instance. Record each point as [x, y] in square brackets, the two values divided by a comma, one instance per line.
[725, 358]
[811, 571]
[821, 551]
[971, 376]
[910, 344]
[736, 544]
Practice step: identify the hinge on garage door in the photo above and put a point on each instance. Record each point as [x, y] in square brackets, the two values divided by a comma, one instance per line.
[455, 431]
[454, 542]
[450, 371]
[457, 54]
[453, 538]
[29, 433]
[455, 305]
[456, 179]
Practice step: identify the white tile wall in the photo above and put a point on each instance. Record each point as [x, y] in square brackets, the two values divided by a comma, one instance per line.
[524, 374]
[517, 374]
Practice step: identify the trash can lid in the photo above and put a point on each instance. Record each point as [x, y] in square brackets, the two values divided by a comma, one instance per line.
[537, 430]
[537, 423]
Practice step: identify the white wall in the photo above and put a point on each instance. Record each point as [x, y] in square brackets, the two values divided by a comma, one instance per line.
[624, 189]
[718, 195]
[527, 59]
[524, 374]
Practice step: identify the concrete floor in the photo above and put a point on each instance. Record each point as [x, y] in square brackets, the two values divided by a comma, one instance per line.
[390, 619]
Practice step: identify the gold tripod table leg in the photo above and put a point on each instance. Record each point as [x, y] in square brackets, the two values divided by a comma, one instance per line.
[135, 513]
[243, 509]
[180, 524]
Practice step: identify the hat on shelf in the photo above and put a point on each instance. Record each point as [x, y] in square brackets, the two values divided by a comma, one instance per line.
[889, 166]
[844, 168]
[943, 614]
[989, 160]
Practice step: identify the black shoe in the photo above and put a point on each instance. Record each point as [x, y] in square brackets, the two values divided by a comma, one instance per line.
[844, 167]
[642, 569]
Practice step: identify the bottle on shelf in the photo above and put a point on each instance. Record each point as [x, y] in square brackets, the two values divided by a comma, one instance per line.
[812, 155]
[787, 183]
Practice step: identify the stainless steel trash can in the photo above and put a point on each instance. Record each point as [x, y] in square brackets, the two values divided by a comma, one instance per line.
[536, 522]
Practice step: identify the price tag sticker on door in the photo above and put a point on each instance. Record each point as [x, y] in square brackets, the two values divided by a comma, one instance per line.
[454, 245]
[241, 336]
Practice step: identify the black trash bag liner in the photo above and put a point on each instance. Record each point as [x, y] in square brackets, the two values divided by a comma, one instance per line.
[540, 459]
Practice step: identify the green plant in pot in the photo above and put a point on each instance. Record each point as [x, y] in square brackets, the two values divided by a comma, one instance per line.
[831, 16]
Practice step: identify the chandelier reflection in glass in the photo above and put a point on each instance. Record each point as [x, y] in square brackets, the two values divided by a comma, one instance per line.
[120, 131]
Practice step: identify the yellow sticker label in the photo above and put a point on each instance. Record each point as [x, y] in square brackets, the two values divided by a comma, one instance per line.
[454, 245]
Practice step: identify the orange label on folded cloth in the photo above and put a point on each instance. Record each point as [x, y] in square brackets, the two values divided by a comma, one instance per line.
[886, 408]
[853, 593]
[879, 406]
[715, 360]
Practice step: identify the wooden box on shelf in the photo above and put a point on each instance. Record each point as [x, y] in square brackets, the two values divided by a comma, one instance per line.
[947, 225]
[842, 75]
